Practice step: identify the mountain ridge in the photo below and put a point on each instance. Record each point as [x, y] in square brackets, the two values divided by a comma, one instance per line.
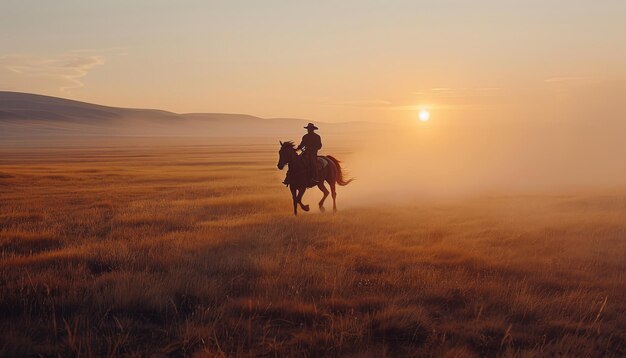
[28, 114]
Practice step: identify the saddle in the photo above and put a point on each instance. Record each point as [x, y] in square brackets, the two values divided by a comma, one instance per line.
[322, 162]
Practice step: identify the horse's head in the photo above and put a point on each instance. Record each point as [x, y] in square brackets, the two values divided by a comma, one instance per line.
[285, 154]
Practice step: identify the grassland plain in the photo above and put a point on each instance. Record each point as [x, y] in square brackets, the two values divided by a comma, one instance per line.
[192, 250]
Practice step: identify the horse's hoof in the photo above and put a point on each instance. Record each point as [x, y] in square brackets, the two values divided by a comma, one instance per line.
[322, 209]
[305, 208]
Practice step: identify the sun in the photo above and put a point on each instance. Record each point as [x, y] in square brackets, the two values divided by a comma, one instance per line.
[424, 115]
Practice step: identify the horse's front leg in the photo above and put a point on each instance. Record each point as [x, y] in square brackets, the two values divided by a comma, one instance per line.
[300, 195]
[295, 200]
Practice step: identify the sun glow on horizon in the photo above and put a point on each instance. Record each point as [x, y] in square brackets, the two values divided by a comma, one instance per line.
[424, 115]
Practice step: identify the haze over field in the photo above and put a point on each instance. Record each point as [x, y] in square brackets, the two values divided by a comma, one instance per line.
[394, 163]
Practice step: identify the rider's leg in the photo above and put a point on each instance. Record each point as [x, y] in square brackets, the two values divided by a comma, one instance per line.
[313, 159]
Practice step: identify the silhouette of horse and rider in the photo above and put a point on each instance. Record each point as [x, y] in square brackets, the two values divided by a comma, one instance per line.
[307, 169]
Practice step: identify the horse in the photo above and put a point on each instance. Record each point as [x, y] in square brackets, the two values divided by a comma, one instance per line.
[300, 177]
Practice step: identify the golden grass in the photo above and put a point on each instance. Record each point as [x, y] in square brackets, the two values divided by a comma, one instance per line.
[193, 250]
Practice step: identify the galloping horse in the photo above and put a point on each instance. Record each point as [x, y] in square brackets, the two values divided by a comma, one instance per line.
[300, 178]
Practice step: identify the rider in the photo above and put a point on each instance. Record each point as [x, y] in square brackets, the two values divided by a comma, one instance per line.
[311, 143]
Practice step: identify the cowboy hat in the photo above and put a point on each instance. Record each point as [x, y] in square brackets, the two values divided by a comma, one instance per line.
[311, 126]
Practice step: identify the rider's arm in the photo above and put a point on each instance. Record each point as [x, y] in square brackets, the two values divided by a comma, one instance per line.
[302, 145]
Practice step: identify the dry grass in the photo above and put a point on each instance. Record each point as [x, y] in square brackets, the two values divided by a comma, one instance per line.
[193, 250]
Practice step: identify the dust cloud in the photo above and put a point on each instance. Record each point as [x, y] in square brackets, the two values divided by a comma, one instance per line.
[442, 161]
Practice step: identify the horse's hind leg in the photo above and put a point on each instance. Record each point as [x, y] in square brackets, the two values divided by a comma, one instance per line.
[334, 194]
[325, 191]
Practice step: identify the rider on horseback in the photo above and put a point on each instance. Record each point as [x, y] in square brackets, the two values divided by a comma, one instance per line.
[311, 143]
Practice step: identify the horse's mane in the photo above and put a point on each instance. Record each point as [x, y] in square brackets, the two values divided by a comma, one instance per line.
[289, 144]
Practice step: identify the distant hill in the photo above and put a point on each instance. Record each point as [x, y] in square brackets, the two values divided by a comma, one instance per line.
[33, 115]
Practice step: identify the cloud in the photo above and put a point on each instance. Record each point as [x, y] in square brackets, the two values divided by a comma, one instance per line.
[432, 98]
[459, 97]
[63, 72]
[569, 79]
[368, 103]
[466, 92]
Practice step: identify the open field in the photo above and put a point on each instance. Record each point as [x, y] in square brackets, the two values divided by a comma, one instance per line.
[193, 250]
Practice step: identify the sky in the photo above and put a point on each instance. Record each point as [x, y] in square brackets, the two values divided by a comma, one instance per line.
[487, 61]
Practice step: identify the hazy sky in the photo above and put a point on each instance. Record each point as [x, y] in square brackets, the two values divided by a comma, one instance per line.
[325, 60]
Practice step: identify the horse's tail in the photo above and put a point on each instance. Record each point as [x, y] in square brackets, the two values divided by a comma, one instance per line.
[340, 180]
